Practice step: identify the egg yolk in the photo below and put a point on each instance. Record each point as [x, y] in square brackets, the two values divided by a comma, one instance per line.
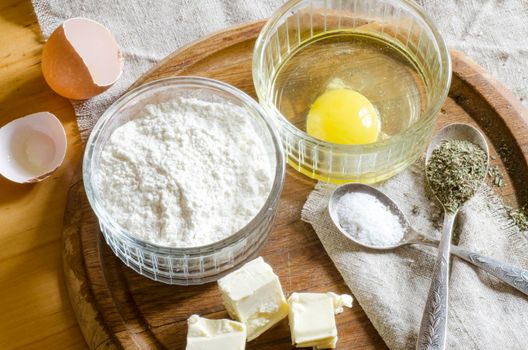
[343, 116]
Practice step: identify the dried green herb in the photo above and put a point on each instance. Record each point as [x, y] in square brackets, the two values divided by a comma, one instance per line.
[437, 220]
[520, 217]
[455, 170]
[495, 176]
[415, 210]
[506, 154]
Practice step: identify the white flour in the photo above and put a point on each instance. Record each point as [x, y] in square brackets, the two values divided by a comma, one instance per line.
[185, 173]
[368, 220]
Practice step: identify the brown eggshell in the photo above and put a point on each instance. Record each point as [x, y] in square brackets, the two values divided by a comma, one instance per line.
[66, 71]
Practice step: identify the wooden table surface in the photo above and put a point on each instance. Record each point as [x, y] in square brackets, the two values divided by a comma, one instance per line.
[35, 310]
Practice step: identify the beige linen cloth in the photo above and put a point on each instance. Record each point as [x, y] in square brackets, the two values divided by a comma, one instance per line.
[391, 286]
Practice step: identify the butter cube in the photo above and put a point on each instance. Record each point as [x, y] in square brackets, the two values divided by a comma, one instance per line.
[253, 295]
[206, 334]
[312, 320]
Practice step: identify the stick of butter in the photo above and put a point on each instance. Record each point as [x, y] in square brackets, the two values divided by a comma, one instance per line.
[253, 295]
[312, 320]
[206, 334]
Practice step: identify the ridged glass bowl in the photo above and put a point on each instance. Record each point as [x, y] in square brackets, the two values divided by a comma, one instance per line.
[183, 266]
[400, 22]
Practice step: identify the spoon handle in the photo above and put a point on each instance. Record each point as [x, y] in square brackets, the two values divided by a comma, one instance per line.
[433, 329]
[510, 274]
[513, 275]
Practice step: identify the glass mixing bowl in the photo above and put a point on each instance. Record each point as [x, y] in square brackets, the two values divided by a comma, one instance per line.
[183, 266]
[400, 22]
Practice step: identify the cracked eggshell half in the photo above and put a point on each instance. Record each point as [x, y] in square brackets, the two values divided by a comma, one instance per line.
[81, 59]
[32, 147]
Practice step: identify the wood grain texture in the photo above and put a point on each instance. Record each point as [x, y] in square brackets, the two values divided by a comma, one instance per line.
[118, 308]
[35, 308]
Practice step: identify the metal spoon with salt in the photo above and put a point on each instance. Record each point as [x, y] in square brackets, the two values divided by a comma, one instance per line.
[509, 274]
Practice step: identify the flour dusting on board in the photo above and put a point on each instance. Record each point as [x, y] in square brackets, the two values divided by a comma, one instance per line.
[185, 173]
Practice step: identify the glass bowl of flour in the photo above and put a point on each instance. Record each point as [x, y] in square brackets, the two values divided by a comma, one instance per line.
[184, 175]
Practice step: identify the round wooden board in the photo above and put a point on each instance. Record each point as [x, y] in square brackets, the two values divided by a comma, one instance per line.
[117, 308]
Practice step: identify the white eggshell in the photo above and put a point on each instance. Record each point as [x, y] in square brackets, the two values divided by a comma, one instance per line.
[81, 59]
[32, 147]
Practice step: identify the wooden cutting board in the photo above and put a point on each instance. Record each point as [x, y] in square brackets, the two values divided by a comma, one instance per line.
[117, 308]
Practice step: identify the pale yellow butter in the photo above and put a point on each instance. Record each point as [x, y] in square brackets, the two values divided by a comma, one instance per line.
[253, 295]
[312, 320]
[207, 334]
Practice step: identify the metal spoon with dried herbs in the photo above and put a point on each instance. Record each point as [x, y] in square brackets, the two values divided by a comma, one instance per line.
[456, 164]
[455, 171]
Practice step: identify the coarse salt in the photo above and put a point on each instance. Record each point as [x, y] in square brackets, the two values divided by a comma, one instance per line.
[367, 220]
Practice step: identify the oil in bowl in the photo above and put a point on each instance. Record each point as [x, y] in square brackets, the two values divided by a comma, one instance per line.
[346, 87]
